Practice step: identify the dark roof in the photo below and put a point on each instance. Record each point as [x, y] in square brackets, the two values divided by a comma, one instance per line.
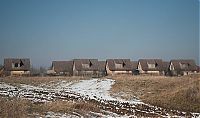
[189, 65]
[102, 65]
[92, 63]
[127, 65]
[198, 68]
[158, 64]
[9, 64]
[62, 66]
[165, 65]
[134, 64]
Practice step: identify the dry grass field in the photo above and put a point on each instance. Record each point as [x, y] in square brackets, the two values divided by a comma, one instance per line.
[23, 108]
[19, 108]
[179, 93]
[38, 80]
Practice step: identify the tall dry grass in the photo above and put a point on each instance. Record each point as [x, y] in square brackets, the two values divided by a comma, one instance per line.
[18, 108]
[181, 93]
[13, 108]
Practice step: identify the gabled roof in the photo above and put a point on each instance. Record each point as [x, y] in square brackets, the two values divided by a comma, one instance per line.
[166, 65]
[93, 64]
[62, 66]
[134, 64]
[189, 65]
[10, 62]
[127, 65]
[144, 64]
[198, 68]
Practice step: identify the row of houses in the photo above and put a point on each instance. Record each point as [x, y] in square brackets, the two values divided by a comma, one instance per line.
[96, 68]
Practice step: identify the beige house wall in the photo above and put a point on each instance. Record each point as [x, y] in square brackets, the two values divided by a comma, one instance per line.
[188, 72]
[51, 72]
[140, 68]
[109, 72]
[171, 66]
[147, 72]
[20, 72]
[122, 72]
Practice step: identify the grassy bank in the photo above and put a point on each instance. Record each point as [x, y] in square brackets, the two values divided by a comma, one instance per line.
[180, 93]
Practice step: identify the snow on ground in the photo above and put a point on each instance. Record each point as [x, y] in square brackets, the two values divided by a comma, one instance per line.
[86, 90]
[94, 88]
[97, 89]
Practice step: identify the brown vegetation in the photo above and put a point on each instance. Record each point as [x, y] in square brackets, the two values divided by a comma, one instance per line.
[180, 93]
[13, 108]
[18, 108]
[37, 80]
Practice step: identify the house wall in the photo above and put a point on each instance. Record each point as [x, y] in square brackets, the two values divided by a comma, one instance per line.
[153, 72]
[51, 72]
[20, 73]
[109, 72]
[149, 72]
[85, 73]
[171, 67]
[188, 72]
[140, 68]
[122, 72]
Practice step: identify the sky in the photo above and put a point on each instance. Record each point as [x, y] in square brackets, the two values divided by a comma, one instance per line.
[48, 30]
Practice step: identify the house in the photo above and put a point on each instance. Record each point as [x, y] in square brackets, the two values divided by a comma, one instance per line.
[198, 69]
[182, 67]
[166, 67]
[118, 66]
[85, 67]
[61, 68]
[134, 67]
[150, 66]
[16, 66]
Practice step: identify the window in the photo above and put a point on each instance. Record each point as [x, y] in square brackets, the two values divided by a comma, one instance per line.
[85, 65]
[151, 65]
[15, 65]
[183, 65]
[119, 66]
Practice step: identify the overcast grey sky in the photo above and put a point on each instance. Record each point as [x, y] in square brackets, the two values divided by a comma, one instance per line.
[47, 30]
